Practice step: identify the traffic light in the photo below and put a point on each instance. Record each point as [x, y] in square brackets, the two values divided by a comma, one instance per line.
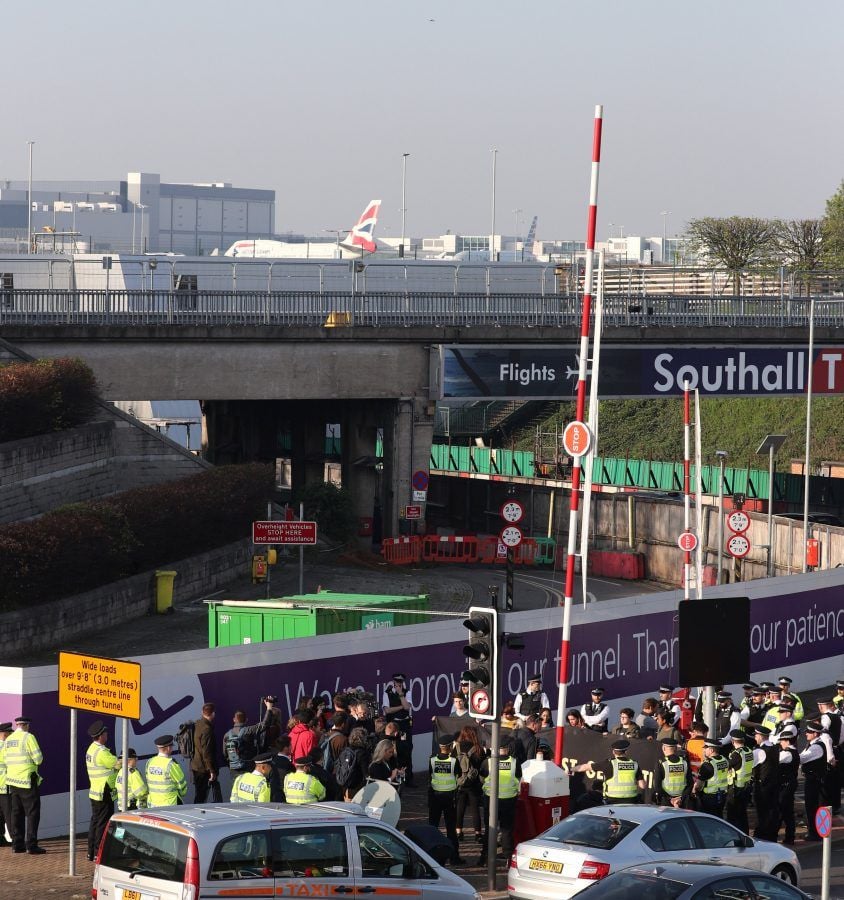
[482, 652]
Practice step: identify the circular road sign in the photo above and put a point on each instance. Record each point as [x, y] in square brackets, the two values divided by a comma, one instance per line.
[687, 541]
[823, 821]
[577, 439]
[480, 702]
[738, 522]
[512, 511]
[420, 480]
[738, 546]
[511, 536]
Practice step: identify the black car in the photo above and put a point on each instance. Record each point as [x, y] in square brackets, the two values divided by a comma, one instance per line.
[691, 881]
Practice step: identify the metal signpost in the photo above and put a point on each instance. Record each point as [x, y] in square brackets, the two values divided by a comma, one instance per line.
[823, 826]
[110, 687]
[511, 536]
[290, 533]
[738, 543]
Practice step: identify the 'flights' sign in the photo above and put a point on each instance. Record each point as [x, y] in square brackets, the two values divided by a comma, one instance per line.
[543, 372]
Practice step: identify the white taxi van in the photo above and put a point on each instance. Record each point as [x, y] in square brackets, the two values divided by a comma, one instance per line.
[263, 850]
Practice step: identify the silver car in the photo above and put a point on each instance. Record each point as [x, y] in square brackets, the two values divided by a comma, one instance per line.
[588, 845]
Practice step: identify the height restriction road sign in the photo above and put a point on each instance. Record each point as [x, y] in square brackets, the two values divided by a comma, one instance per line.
[738, 546]
[577, 439]
[738, 522]
[511, 536]
[512, 511]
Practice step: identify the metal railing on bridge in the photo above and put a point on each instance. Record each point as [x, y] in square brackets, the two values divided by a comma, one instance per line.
[340, 309]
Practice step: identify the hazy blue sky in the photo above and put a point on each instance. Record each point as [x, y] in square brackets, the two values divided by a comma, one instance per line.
[712, 108]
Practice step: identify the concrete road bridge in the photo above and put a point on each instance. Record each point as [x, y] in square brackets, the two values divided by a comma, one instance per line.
[269, 362]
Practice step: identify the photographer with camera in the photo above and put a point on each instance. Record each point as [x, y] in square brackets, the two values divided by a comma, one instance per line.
[273, 723]
[398, 708]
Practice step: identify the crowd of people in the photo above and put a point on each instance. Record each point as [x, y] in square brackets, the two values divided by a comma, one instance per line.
[751, 758]
[323, 753]
[317, 754]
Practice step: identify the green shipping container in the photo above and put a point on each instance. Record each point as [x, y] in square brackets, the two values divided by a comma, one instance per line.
[235, 622]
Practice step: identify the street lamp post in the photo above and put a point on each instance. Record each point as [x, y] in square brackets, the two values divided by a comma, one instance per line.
[142, 208]
[722, 459]
[770, 445]
[619, 227]
[492, 234]
[404, 157]
[29, 202]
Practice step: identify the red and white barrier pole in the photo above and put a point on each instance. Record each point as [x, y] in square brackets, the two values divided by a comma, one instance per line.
[687, 517]
[579, 414]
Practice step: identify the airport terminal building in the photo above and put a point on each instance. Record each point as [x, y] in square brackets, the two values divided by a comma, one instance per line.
[141, 214]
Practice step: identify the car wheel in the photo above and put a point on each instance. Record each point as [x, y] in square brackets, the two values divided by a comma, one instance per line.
[785, 873]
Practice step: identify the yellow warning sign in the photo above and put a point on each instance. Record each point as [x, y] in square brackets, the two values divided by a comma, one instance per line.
[94, 684]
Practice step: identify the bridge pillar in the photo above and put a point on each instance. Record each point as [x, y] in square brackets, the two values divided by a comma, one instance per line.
[407, 449]
[359, 429]
[308, 447]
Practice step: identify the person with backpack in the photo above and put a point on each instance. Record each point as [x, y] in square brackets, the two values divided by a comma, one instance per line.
[203, 761]
[442, 793]
[333, 741]
[325, 778]
[470, 755]
[240, 742]
[353, 763]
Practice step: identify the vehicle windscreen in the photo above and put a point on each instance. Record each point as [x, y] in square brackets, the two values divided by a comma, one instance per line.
[600, 832]
[139, 849]
[624, 885]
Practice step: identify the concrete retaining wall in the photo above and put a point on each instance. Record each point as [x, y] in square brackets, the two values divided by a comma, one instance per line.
[657, 525]
[103, 457]
[54, 624]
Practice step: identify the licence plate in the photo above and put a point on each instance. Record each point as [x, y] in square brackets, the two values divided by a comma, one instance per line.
[131, 895]
[545, 865]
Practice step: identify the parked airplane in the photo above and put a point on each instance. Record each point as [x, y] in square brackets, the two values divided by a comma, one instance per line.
[360, 240]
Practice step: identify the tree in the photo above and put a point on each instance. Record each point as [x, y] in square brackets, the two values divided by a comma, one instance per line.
[800, 244]
[833, 230]
[735, 243]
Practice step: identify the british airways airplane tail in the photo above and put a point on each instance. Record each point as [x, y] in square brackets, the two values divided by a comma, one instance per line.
[362, 236]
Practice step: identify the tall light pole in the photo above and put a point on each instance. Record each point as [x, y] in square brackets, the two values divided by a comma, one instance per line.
[494, 152]
[619, 227]
[722, 460]
[809, 371]
[769, 446]
[665, 214]
[30, 144]
[142, 208]
[404, 157]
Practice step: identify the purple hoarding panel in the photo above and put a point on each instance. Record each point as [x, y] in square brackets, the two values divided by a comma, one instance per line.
[627, 656]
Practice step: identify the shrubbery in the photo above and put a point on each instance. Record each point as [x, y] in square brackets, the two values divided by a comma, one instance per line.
[45, 396]
[331, 507]
[76, 548]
